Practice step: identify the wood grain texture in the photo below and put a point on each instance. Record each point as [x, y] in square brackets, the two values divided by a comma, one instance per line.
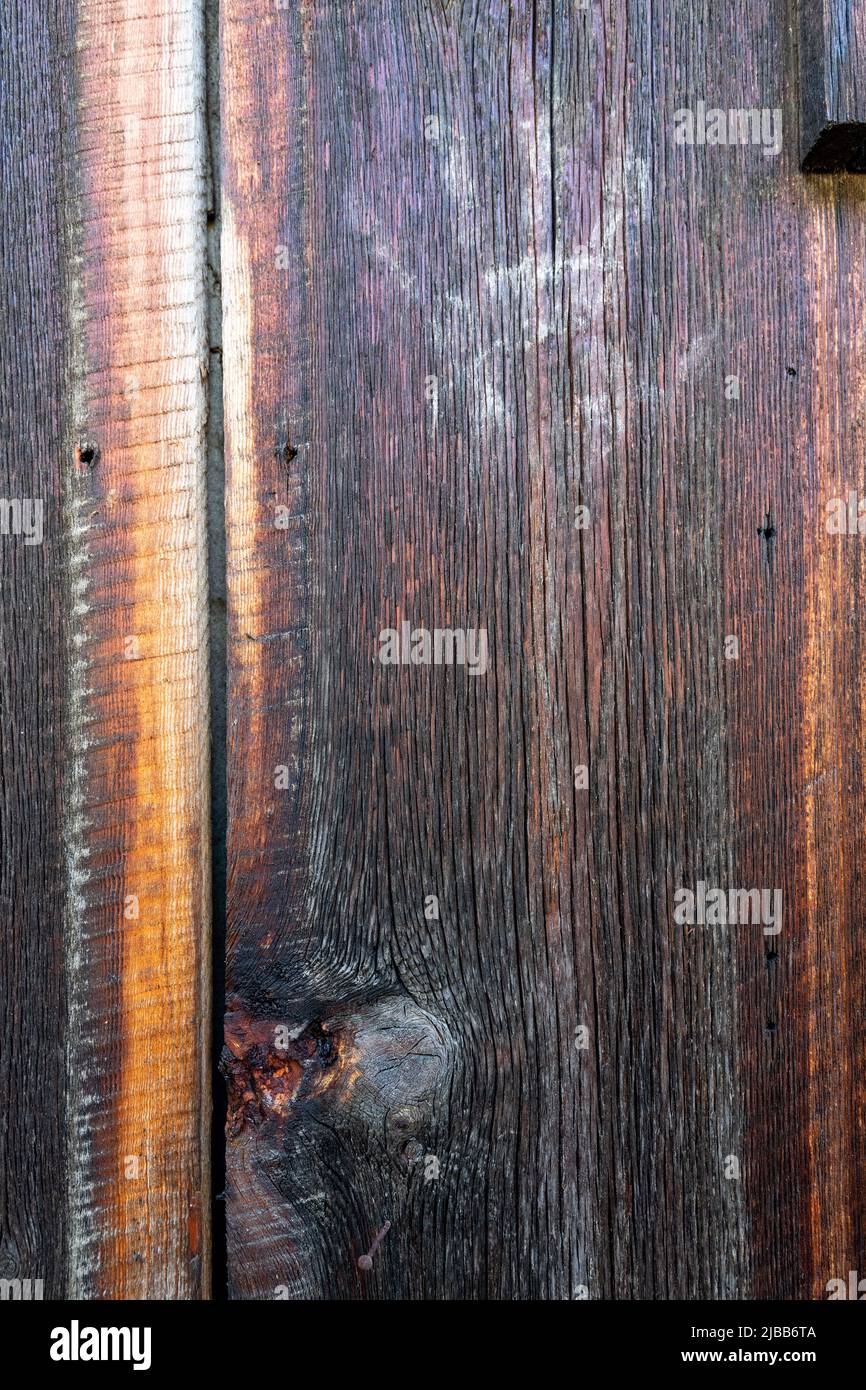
[833, 77]
[670, 335]
[35, 88]
[107, 643]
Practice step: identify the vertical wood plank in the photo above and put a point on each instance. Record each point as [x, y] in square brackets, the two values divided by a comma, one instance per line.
[111, 854]
[267, 455]
[35, 88]
[140, 828]
[474, 283]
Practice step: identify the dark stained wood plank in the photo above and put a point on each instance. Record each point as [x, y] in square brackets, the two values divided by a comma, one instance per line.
[833, 77]
[35, 88]
[105, 767]
[474, 281]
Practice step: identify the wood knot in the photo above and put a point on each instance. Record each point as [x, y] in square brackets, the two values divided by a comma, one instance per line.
[265, 1063]
[372, 1067]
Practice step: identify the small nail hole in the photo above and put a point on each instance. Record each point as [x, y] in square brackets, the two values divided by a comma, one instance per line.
[768, 530]
[87, 454]
[285, 451]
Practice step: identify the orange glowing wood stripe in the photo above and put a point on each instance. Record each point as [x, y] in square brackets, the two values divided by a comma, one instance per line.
[137, 702]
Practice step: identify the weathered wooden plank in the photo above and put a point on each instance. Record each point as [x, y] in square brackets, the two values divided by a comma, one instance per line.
[833, 77]
[485, 265]
[106, 331]
[35, 88]
[140, 983]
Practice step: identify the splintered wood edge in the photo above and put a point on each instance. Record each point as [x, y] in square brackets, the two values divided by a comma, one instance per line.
[137, 699]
